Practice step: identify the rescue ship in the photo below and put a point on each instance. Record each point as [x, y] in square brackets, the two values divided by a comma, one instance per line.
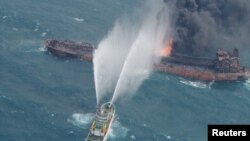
[100, 126]
[224, 67]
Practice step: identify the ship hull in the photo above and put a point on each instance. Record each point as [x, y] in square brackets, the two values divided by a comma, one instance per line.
[81, 50]
[109, 130]
[203, 74]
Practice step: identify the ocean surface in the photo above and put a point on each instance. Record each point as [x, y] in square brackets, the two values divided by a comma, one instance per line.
[47, 98]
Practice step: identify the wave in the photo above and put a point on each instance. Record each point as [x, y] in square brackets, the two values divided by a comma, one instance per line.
[197, 84]
[5, 97]
[81, 120]
[37, 26]
[78, 19]
[30, 46]
[167, 137]
[117, 131]
[4, 17]
[43, 34]
[15, 29]
[247, 84]
[42, 49]
[26, 43]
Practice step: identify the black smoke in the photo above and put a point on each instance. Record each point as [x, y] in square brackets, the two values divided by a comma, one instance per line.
[203, 26]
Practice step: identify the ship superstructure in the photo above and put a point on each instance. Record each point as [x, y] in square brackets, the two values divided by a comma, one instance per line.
[225, 67]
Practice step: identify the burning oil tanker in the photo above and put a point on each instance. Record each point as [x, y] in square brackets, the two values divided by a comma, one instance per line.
[224, 67]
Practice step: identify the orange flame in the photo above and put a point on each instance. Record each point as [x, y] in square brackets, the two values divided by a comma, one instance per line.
[167, 50]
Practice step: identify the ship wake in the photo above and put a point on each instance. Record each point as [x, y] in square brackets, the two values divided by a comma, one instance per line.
[83, 120]
[197, 84]
[247, 84]
[117, 131]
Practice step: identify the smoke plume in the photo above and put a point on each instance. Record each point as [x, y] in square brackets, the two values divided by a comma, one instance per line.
[203, 26]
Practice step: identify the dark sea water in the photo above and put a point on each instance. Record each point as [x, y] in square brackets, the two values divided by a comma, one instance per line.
[46, 98]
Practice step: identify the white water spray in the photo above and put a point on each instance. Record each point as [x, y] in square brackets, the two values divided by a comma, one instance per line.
[139, 62]
[110, 56]
[125, 57]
